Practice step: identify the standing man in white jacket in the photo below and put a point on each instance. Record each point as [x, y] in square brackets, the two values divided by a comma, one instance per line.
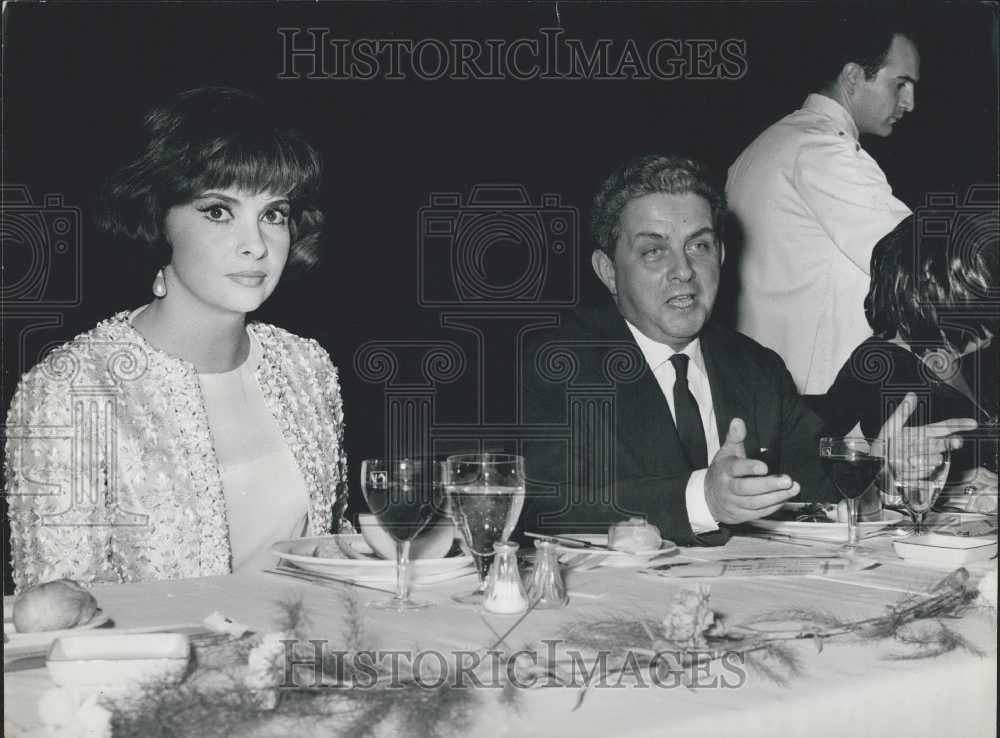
[812, 204]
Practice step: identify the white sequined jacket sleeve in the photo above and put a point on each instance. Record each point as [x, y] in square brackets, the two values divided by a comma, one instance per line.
[111, 473]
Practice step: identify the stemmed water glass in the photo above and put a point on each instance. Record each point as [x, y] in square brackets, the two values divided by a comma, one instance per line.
[486, 494]
[919, 472]
[853, 463]
[405, 495]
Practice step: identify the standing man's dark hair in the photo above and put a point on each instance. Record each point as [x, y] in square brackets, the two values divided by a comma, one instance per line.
[873, 72]
[862, 38]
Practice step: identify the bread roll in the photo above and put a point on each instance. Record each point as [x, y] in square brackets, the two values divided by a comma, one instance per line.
[634, 535]
[329, 549]
[303, 548]
[53, 606]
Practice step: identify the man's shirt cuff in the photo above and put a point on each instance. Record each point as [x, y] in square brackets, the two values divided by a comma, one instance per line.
[697, 507]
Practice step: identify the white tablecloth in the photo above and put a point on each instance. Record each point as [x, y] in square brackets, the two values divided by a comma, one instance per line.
[848, 689]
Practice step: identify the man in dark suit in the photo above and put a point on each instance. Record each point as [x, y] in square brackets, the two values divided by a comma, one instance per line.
[643, 406]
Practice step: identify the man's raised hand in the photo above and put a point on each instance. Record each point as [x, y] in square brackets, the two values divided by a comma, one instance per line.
[738, 489]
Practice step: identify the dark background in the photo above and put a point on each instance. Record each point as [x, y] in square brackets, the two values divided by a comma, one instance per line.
[78, 77]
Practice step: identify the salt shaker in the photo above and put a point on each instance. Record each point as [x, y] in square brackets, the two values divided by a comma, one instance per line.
[504, 591]
[546, 588]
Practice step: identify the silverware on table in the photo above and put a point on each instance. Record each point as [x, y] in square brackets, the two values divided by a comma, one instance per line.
[791, 540]
[570, 541]
[317, 578]
[777, 538]
[584, 561]
[795, 539]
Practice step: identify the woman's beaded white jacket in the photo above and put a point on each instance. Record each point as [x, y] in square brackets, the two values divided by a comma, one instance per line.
[111, 475]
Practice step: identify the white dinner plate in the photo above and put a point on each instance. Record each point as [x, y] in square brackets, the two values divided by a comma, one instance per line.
[613, 558]
[812, 529]
[365, 567]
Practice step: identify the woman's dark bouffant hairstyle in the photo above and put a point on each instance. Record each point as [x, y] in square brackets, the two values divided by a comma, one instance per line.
[214, 138]
[934, 294]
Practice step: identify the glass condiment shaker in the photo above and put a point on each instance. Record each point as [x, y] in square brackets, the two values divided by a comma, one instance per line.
[546, 588]
[504, 591]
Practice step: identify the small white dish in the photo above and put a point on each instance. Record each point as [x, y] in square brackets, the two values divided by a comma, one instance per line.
[620, 559]
[945, 549]
[118, 660]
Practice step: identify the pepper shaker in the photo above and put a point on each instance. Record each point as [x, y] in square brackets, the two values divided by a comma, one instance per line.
[546, 588]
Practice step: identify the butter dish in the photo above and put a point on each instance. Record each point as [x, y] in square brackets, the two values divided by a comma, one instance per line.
[111, 661]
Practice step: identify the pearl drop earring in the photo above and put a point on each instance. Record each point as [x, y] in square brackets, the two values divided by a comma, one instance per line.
[160, 285]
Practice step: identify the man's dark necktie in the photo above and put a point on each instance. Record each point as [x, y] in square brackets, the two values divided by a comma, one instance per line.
[686, 416]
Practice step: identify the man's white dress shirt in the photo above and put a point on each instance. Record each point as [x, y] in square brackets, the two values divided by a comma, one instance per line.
[812, 204]
[657, 357]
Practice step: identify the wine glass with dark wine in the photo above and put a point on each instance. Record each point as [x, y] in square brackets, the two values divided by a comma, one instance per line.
[486, 493]
[405, 495]
[853, 463]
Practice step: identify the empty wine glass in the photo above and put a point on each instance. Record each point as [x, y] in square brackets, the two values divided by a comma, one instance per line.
[853, 463]
[486, 494]
[919, 472]
[405, 495]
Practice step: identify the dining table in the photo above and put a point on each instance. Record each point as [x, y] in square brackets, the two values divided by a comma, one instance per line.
[841, 687]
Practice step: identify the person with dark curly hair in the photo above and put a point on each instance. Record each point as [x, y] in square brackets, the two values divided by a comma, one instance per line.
[934, 314]
[179, 439]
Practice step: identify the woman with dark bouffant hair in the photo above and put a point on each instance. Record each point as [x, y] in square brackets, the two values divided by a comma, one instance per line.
[186, 439]
[934, 310]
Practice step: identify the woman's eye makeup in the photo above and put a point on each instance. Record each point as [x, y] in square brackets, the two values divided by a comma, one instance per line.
[276, 215]
[222, 212]
[214, 211]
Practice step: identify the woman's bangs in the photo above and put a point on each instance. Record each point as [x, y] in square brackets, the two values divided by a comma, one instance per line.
[276, 166]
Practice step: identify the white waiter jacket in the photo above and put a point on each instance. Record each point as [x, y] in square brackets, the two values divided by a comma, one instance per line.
[812, 204]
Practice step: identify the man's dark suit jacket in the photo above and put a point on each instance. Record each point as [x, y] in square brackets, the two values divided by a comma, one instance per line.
[603, 445]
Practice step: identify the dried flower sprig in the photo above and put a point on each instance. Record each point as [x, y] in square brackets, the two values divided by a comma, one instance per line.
[691, 634]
